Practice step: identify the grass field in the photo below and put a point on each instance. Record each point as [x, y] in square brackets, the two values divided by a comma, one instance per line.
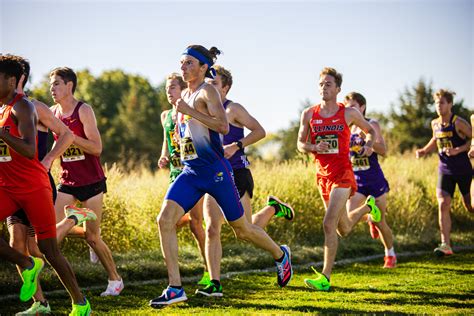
[419, 285]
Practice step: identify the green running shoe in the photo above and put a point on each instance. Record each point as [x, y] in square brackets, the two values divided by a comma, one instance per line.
[321, 283]
[81, 310]
[82, 214]
[283, 209]
[205, 280]
[36, 309]
[30, 279]
[210, 290]
[375, 213]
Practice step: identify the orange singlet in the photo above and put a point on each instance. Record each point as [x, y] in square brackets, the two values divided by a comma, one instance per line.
[333, 167]
[24, 182]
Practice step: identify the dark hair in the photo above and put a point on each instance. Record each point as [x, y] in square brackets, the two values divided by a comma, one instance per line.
[211, 55]
[332, 72]
[444, 93]
[11, 67]
[26, 68]
[177, 77]
[67, 74]
[359, 98]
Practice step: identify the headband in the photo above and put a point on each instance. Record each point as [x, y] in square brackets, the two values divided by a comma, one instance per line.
[203, 59]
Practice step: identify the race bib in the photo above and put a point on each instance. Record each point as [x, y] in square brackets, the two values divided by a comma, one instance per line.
[73, 153]
[360, 163]
[443, 143]
[333, 142]
[175, 160]
[187, 149]
[4, 152]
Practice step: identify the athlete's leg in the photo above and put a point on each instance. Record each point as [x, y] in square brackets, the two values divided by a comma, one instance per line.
[93, 238]
[335, 208]
[464, 184]
[195, 225]
[444, 217]
[385, 231]
[20, 241]
[169, 215]
[348, 219]
[214, 220]
[65, 225]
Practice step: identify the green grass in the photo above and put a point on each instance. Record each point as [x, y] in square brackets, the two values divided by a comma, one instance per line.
[420, 285]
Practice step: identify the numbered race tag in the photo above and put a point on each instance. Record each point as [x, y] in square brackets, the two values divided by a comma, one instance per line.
[4, 152]
[73, 153]
[175, 160]
[443, 143]
[360, 163]
[333, 142]
[187, 149]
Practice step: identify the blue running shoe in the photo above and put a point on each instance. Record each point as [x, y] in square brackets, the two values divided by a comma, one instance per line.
[284, 268]
[168, 297]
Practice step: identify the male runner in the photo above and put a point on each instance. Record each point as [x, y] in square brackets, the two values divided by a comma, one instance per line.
[82, 178]
[234, 143]
[201, 118]
[326, 126]
[452, 138]
[370, 178]
[170, 155]
[21, 232]
[24, 183]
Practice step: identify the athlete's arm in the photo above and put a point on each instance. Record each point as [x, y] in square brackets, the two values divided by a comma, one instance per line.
[471, 151]
[92, 144]
[164, 159]
[303, 135]
[379, 144]
[216, 119]
[353, 116]
[65, 137]
[431, 146]
[464, 130]
[239, 116]
[26, 118]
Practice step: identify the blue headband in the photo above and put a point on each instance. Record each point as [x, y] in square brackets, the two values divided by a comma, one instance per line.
[203, 59]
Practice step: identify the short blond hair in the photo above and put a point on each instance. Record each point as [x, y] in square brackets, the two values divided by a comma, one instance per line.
[226, 76]
[332, 72]
[176, 76]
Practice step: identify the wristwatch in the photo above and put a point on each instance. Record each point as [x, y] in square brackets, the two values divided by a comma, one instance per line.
[239, 144]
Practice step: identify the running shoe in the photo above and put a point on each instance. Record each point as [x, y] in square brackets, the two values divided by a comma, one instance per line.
[210, 290]
[168, 297]
[320, 283]
[390, 262]
[81, 310]
[205, 280]
[82, 214]
[36, 309]
[443, 250]
[374, 231]
[113, 289]
[375, 213]
[283, 209]
[30, 279]
[284, 268]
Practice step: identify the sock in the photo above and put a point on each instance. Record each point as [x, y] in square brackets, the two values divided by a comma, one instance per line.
[84, 302]
[176, 287]
[44, 303]
[32, 263]
[74, 218]
[217, 283]
[390, 252]
[326, 277]
[275, 207]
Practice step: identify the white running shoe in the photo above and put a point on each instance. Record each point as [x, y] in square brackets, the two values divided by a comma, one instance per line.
[114, 288]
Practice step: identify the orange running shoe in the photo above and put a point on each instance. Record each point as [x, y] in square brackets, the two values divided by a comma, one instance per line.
[390, 262]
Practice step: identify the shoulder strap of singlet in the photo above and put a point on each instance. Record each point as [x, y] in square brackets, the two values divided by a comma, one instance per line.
[453, 118]
[17, 98]
[76, 109]
[226, 103]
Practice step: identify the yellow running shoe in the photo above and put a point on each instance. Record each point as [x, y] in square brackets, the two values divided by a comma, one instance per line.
[30, 279]
[320, 283]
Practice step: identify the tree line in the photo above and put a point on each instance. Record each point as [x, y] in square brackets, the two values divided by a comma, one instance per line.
[128, 108]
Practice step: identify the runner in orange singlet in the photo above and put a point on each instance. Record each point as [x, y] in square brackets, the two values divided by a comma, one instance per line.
[24, 183]
[324, 132]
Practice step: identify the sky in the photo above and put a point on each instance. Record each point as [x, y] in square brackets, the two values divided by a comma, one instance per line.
[274, 49]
